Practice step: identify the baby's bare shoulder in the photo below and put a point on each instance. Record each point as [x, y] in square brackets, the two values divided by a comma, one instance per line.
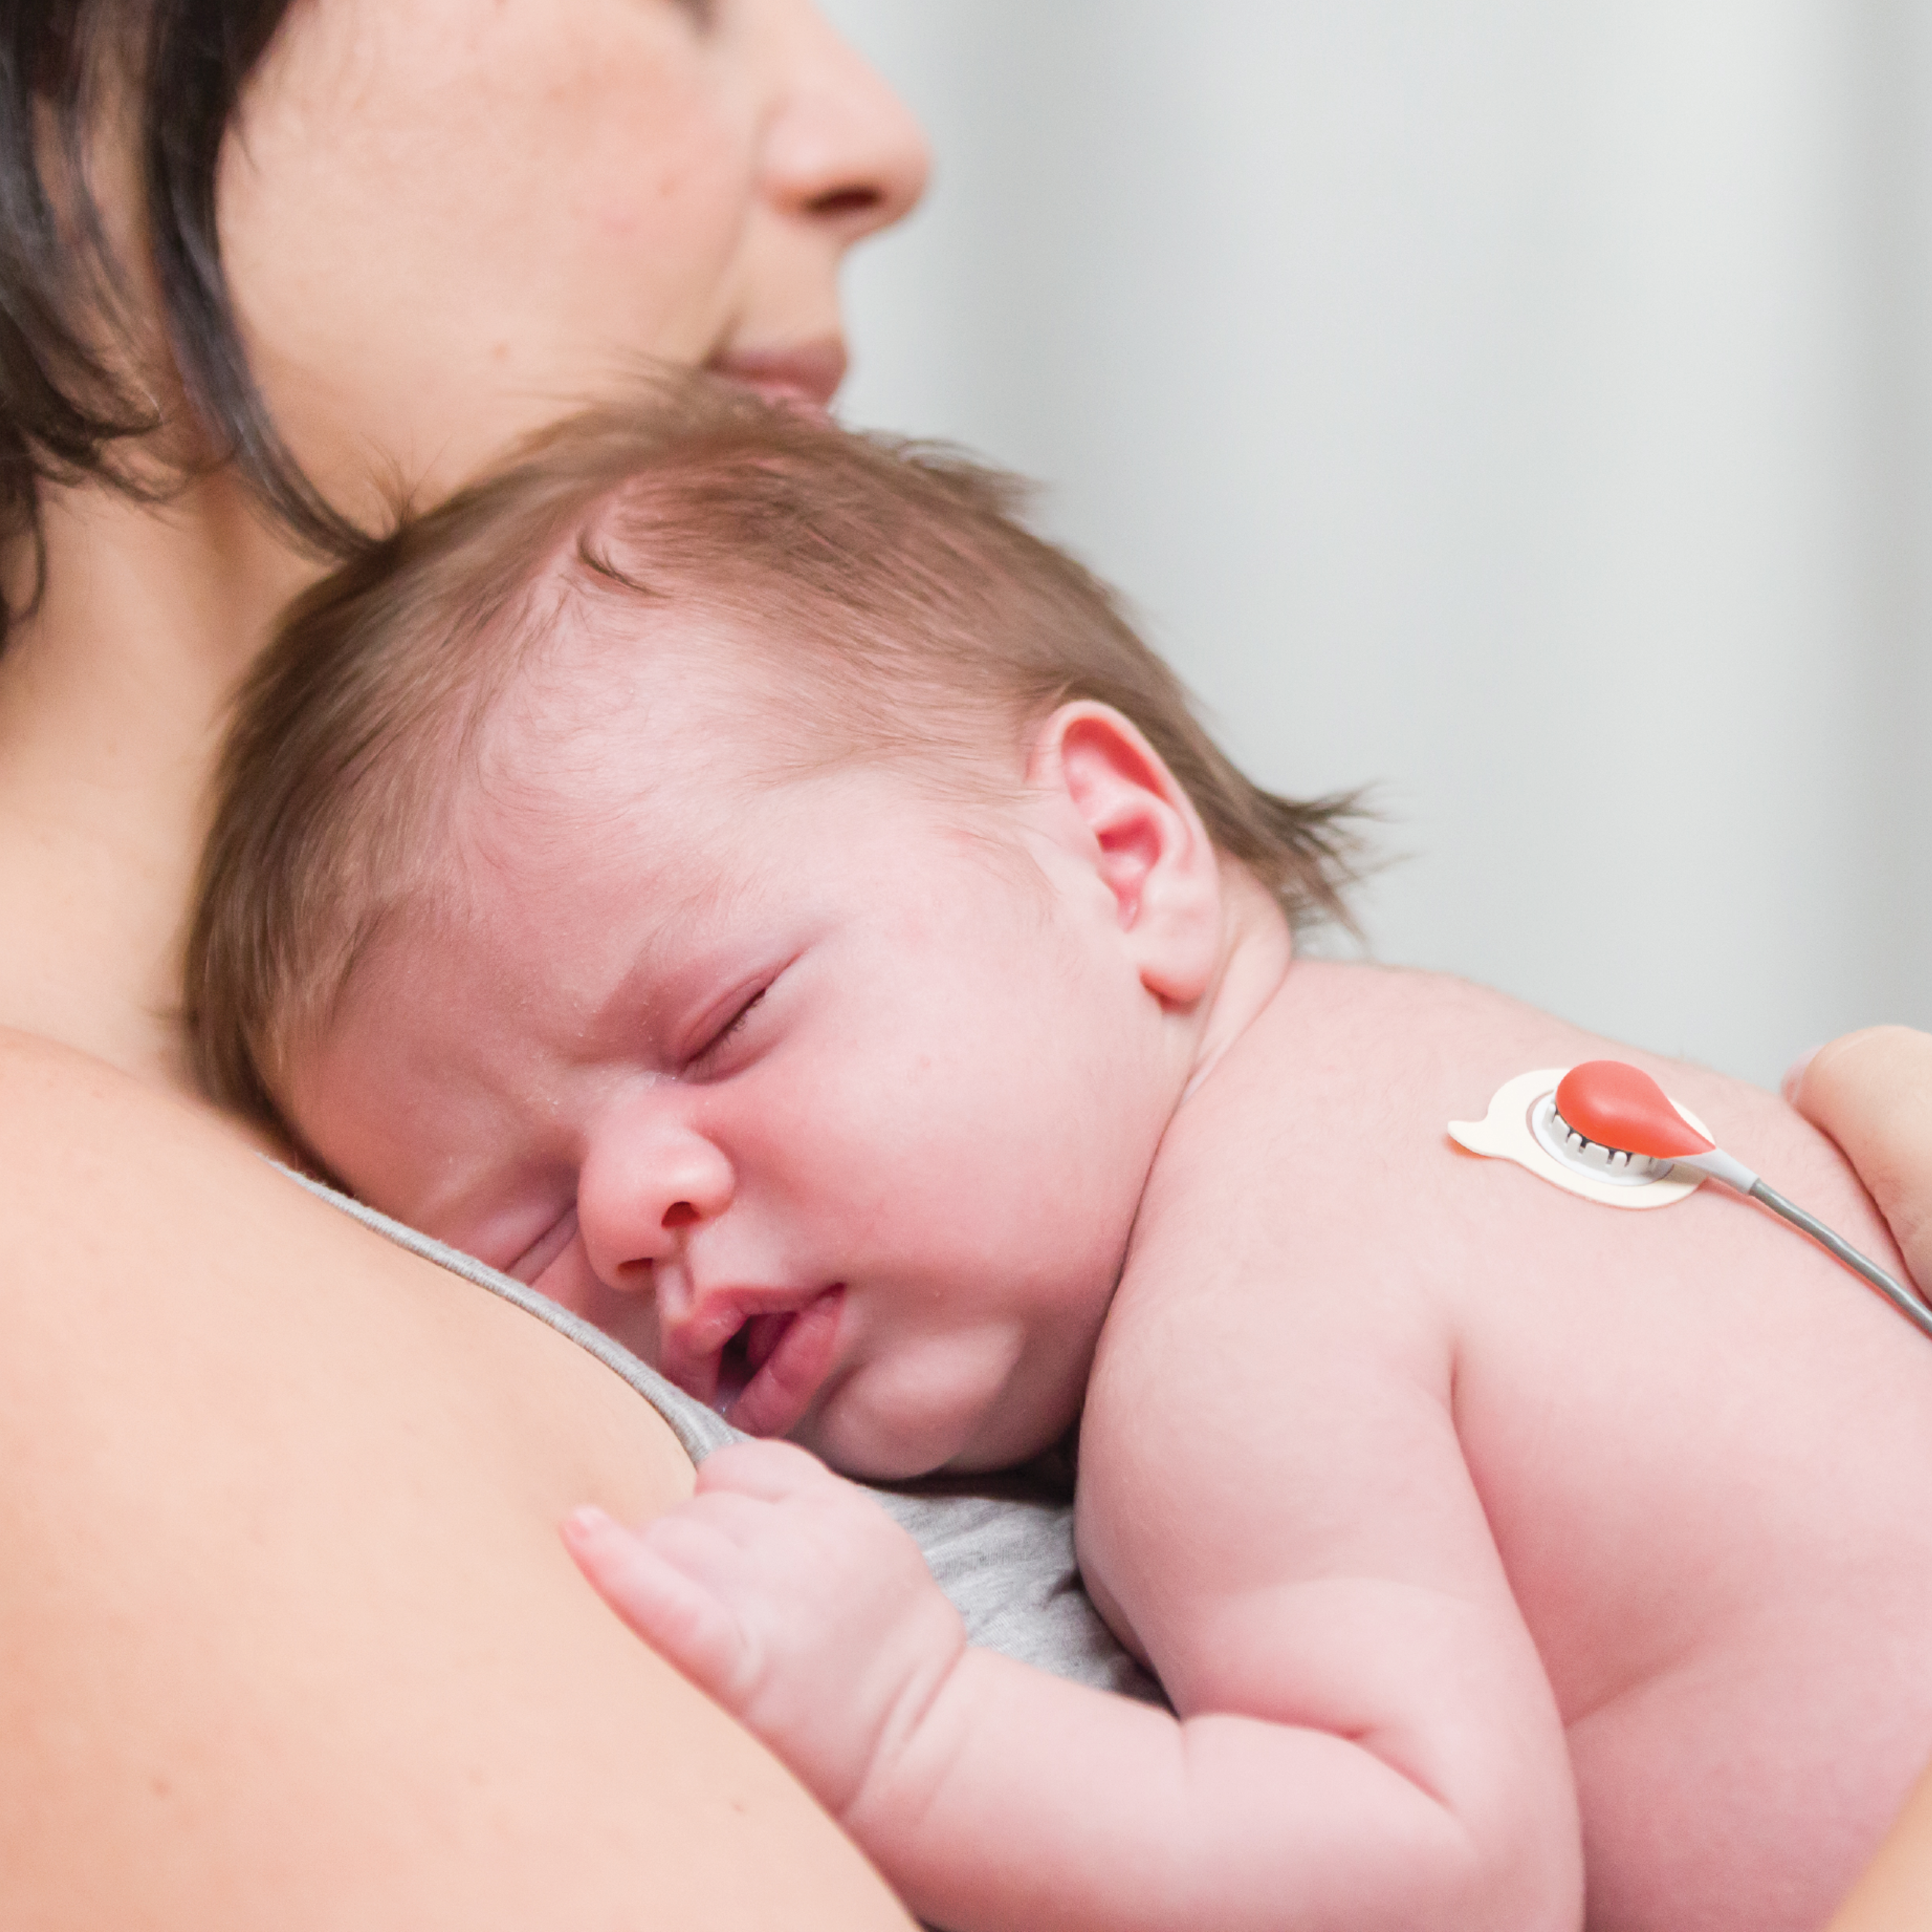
[1310, 1225]
[1336, 1102]
[1283, 1262]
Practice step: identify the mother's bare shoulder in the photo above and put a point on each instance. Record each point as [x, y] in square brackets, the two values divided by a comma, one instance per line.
[293, 1638]
[125, 1209]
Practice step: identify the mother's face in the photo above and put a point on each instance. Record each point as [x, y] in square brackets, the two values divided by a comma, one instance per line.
[446, 220]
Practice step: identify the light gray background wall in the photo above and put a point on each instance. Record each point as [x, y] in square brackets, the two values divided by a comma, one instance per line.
[1524, 405]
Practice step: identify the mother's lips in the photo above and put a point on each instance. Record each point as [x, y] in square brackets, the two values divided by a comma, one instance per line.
[807, 372]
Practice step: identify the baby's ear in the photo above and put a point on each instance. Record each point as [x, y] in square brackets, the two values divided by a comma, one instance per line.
[1143, 839]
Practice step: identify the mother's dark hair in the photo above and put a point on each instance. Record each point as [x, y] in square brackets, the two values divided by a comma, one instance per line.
[71, 398]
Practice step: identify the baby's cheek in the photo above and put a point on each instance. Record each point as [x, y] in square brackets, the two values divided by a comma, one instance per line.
[981, 1398]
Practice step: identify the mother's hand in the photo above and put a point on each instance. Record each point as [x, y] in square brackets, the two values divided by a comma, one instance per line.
[1872, 1093]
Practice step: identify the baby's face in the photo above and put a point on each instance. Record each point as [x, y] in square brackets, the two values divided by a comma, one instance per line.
[832, 1101]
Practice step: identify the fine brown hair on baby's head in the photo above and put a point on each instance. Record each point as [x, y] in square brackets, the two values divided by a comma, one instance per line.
[898, 606]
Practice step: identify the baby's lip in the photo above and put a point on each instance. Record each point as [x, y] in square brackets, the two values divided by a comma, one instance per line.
[790, 1356]
[736, 1345]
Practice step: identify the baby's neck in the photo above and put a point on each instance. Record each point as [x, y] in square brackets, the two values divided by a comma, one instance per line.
[1256, 951]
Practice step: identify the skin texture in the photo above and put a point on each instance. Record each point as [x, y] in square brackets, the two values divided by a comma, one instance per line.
[247, 1446]
[1484, 1537]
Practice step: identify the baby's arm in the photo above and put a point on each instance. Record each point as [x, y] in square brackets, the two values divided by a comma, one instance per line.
[1402, 1771]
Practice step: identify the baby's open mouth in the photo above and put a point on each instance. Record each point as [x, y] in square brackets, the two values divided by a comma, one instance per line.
[771, 1369]
[746, 1353]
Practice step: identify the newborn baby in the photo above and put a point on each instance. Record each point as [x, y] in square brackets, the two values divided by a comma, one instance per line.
[733, 877]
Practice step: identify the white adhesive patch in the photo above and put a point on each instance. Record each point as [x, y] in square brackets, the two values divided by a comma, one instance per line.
[1505, 1133]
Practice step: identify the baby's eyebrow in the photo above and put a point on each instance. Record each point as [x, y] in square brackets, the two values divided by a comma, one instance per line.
[678, 930]
[631, 993]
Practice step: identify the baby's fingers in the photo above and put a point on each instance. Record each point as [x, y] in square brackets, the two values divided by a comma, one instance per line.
[771, 1470]
[679, 1616]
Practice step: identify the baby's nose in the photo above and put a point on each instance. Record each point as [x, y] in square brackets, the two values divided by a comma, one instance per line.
[644, 1191]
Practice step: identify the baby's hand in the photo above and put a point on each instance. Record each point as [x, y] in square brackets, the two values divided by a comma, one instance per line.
[785, 1595]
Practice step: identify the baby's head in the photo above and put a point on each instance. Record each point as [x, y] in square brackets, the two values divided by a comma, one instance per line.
[731, 874]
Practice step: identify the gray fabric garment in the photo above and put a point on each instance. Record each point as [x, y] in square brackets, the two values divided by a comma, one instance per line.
[1002, 1549]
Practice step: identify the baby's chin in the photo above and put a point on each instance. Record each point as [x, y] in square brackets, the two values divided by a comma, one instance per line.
[900, 1441]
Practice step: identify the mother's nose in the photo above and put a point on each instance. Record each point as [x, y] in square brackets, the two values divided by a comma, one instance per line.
[843, 149]
[647, 1180]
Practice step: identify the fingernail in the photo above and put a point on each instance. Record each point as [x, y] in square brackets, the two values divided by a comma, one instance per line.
[587, 1521]
[1794, 1075]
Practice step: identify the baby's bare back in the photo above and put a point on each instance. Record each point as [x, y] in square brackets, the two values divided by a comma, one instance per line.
[1703, 1450]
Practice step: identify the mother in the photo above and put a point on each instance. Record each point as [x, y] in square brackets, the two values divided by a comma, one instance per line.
[286, 1636]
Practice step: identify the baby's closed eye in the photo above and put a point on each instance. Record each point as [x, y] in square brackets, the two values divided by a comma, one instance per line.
[706, 1059]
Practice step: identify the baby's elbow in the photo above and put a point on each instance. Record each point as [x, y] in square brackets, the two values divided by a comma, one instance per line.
[1523, 1873]
[1532, 1889]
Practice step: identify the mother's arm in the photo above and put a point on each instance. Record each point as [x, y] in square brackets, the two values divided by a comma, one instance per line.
[287, 1634]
